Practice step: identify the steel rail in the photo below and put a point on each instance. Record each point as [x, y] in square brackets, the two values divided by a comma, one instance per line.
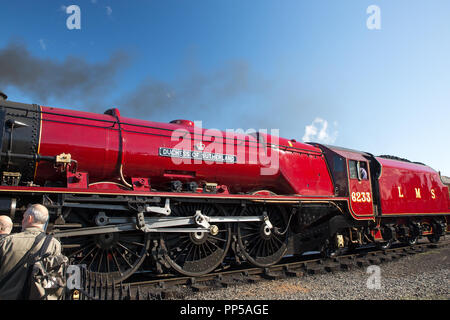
[167, 286]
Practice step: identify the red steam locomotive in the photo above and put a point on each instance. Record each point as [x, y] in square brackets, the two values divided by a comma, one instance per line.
[127, 194]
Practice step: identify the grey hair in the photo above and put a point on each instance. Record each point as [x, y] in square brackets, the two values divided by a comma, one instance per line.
[38, 212]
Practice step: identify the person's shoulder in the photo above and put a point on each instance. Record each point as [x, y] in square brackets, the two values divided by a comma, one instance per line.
[17, 237]
[55, 240]
[23, 234]
[10, 240]
[5, 239]
[13, 236]
[56, 243]
[26, 236]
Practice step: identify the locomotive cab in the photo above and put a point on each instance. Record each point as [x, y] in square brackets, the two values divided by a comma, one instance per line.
[355, 175]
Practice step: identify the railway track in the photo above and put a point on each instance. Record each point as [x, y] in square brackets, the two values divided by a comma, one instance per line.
[139, 287]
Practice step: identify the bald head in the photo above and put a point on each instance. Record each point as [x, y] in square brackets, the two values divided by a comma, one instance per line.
[6, 225]
[35, 216]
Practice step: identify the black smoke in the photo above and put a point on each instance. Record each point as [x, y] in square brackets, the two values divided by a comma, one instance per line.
[45, 79]
[74, 82]
[193, 91]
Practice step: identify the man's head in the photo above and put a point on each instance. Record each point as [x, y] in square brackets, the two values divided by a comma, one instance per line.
[35, 216]
[6, 225]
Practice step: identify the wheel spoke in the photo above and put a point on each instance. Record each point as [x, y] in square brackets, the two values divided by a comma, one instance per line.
[93, 259]
[127, 249]
[107, 261]
[217, 238]
[260, 246]
[124, 258]
[202, 248]
[80, 250]
[194, 254]
[190, 250]
[250, 235]
[117, 263]
[133, 243]
[211, 242]
[100, 262]
[277, 239]
[207, 243]
[115, 256]
[87, 255]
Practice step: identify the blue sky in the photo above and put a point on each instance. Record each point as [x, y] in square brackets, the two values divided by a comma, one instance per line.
[250, 64]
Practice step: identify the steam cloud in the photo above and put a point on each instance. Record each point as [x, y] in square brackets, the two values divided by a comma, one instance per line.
[315, 134]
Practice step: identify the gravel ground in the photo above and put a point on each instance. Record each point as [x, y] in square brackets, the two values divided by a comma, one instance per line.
[420, 276]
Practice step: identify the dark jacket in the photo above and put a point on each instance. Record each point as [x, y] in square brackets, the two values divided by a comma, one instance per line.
[12, 249]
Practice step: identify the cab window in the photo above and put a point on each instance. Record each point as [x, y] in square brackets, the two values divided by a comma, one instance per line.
[358, 170]
[363, 172]
[353, 169]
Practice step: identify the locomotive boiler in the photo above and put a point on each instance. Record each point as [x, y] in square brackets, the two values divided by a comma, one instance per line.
[127, 195]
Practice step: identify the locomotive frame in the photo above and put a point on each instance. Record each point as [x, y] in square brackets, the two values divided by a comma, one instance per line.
[117, 227]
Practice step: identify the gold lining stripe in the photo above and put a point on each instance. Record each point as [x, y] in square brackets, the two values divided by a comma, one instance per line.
[407, 213]
[188, 195]
[39, 143]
